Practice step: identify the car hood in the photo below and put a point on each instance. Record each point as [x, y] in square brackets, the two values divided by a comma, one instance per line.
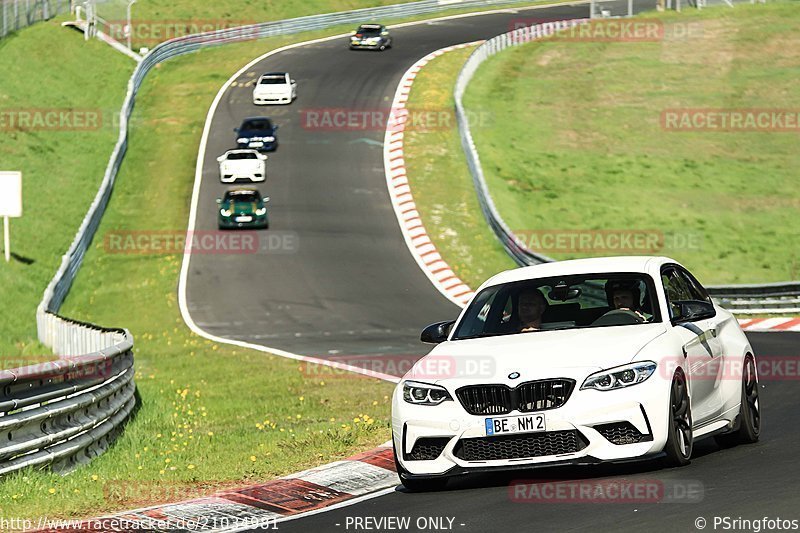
[243, 208]
[256, 133]
[241, 163]
[573, 353]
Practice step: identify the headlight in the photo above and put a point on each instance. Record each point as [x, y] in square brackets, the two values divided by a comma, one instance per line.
[225, 212]
[424, 393]
[353, 38]
[261, 211]
[621, 376]
[242, 140]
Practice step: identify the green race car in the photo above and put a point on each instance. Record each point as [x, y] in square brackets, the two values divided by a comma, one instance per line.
[243, 208]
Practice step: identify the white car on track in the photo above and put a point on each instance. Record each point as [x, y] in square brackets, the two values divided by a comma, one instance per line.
[274, 88]
[242, 165]
[576, 362]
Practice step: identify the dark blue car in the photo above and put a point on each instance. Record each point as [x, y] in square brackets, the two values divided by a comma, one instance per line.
[258, 133]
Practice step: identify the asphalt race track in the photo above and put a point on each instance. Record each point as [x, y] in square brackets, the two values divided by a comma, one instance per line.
[337, 277]
[752, 482]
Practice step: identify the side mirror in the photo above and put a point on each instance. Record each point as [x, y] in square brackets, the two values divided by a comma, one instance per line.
[437, 333]
[353, 32]
[219, 200]
[691, 310]
[265, 199]
[292, 82]
[235, 129]
[275, 127]
[220, 159]
[263, 157]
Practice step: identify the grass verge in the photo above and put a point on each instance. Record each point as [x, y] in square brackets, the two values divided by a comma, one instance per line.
[577, 142]
[51, 73]
[438, 174]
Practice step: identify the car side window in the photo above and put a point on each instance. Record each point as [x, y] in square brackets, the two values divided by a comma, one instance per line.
[676, 290]
[696, 290]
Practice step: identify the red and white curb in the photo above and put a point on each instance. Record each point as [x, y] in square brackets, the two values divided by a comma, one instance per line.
[416, 237]
[265, 504]
[770, 324]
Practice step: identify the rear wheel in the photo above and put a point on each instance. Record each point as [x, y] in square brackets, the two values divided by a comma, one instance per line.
[749, 410]
[679, 439]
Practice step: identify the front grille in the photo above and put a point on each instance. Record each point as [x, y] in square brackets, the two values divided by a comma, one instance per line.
[622, 433]
[526, 397]
[521, 446]
[427, 448]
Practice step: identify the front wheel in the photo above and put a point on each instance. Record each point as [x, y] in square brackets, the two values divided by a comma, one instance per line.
[679, 440]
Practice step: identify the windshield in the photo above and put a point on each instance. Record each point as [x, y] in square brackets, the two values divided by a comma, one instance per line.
[273, 80]
[242, 155]
[257, 124]
[369, 30]
[242, 196]
[567, 302]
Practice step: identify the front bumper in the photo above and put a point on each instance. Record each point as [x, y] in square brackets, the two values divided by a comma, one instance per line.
[257, 222]
[261, 146]
[272, 99]
[234, 178]
[360, 45]
[441, 440]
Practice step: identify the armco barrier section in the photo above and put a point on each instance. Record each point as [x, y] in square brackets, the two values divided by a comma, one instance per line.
[774, 298]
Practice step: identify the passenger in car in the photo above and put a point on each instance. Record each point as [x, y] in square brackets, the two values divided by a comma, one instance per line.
[532, 305]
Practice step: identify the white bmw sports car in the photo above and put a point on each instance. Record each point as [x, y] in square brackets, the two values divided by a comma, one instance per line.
[576, 362]
[242, 165]
[274, 88]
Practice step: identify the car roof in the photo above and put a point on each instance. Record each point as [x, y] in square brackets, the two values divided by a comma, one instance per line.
[371, 26]
[273, 74]
[245, 190]
[645, 264]
[241, 151]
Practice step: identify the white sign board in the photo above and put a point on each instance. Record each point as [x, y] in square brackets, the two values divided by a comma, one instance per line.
[10, 194]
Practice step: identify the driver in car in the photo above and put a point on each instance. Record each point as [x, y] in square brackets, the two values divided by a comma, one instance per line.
[625, 296]
[532, 305]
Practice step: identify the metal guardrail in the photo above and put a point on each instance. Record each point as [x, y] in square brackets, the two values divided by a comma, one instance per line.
[771, 298]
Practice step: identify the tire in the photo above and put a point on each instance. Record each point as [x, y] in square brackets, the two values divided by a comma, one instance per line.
[418, 485]
[679, 444]
[749, 410]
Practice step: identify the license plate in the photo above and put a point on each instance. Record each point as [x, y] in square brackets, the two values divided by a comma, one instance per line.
[244, 219]
[515, 424]
[257, 144]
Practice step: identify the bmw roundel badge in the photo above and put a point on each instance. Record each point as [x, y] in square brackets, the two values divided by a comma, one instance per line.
[513, 375]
